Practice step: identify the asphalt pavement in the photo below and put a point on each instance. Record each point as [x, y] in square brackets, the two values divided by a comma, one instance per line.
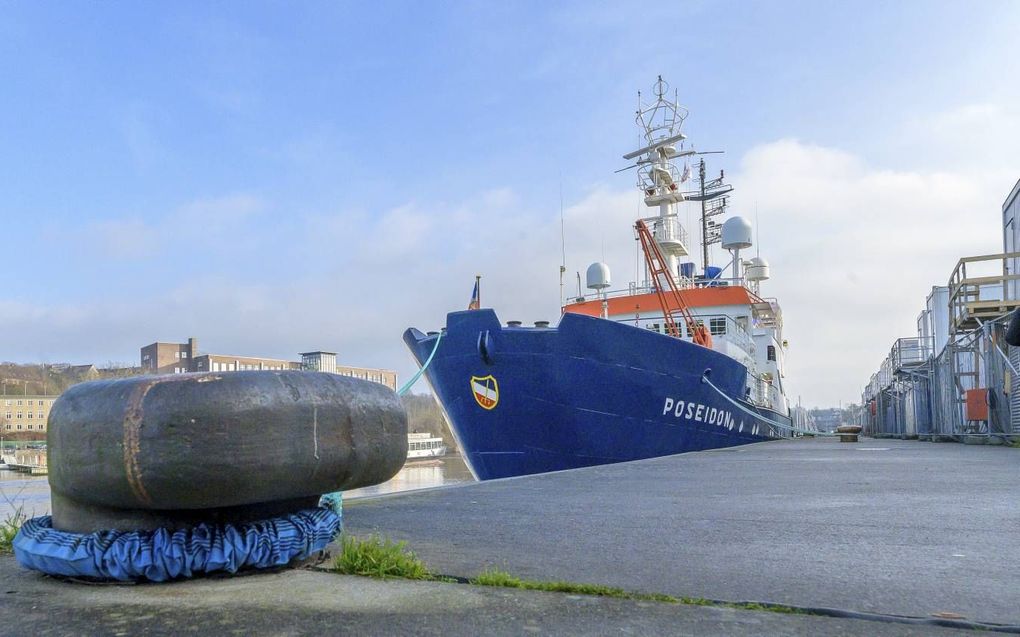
[881, 526]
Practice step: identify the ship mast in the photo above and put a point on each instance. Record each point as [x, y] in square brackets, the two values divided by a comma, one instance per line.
[714, 197]
[657, 175]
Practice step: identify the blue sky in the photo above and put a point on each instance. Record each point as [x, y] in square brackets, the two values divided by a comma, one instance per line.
[277, 177]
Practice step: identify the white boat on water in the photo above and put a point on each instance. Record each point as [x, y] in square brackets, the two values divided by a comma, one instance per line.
[424, 445]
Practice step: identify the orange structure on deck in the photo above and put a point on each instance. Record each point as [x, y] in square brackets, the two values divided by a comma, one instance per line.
[692, 297]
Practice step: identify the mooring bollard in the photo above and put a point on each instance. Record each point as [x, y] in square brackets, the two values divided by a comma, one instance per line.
[165, 477]
[171, 451]
[848, 433]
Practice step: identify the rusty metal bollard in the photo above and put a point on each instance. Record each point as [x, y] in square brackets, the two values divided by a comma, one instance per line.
[848, 433]
[173, 451]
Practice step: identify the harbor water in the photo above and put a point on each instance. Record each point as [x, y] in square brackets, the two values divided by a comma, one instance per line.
[31, 494]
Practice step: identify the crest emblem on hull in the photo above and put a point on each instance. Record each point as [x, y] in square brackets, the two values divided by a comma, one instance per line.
[485, 389]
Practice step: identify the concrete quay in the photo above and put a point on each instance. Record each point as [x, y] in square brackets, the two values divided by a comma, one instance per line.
[876, 531]
[310, 602]
[890, 527]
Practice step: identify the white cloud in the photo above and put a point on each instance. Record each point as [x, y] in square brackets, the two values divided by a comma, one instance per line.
[219, 213]
[129, 238]
[195, 225]
[353, 281]
[855, 249]
[975, 137]
[140, 136]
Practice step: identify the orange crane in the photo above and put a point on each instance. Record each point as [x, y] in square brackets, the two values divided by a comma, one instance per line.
[670, 299]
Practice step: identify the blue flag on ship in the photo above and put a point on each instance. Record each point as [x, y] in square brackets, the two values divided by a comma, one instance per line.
[476, 302]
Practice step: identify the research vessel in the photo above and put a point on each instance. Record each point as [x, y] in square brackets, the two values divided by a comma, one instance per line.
[685, 359]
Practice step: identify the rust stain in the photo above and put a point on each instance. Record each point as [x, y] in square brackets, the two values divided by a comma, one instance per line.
[132, 427]
[132, 432]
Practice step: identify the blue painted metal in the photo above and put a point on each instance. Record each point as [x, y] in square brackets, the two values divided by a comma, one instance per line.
[588, 392]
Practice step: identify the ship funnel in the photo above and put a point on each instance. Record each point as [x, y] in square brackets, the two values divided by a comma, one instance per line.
[598, 276]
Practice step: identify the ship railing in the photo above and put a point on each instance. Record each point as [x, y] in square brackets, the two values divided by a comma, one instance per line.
[720, 326]
[758, 387]
[769, 314]
[754, 388]
[668, 230]
[773, 395]
[649, 177]
[646, 286]
[731, 329]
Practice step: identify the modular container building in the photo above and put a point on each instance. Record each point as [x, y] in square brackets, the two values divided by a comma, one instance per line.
[955, 380]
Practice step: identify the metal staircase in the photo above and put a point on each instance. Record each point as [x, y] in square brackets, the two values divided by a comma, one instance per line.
[666, 289]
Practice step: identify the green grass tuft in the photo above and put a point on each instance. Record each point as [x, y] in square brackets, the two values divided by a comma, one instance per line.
[376, 557]
[9, 528]
[771, 608]
[495, 577]
[697, 601]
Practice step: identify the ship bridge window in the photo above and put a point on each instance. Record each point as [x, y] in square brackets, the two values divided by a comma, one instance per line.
[717, 326]
[771, 352]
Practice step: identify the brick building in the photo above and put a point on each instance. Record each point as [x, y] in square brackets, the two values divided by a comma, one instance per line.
[180, 358]
[24, 414]
[169, 358]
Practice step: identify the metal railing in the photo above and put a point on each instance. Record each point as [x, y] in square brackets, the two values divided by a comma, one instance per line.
[757, 389]
[646, 287]
[981, 288]
[929, 400]
[908, 352]
[668, 229]
[733, 331]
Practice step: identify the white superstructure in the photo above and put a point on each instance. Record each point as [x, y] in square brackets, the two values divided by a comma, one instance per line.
[743, 325]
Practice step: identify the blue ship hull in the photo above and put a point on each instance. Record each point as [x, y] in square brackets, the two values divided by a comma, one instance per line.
[588, 392]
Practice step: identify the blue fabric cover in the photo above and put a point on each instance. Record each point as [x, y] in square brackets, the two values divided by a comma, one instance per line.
[162, 554]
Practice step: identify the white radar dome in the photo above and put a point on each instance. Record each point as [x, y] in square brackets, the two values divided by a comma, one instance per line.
[598, 276]
[757, 269]
[736, 233]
